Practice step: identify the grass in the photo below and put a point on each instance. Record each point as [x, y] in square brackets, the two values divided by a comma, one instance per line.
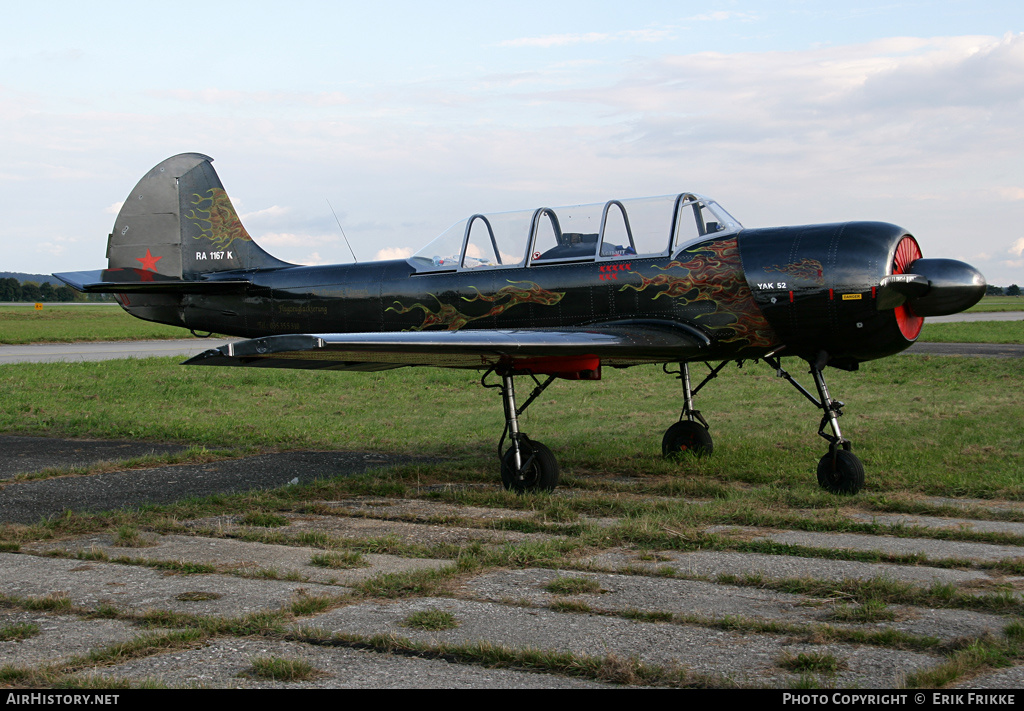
[128, 536]
[281, 669]
[999, 303]
[812, 662]
[573, 586]
[869, 611]
[66, 324]
[974, 332]
[18, 632]
[264, 519]
[920, 424]
[431, 620]
[343, 560]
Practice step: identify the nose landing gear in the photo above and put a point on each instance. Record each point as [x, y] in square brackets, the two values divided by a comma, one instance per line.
[839, 471]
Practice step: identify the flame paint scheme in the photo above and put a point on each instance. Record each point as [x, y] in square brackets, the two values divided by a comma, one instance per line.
[556, 292]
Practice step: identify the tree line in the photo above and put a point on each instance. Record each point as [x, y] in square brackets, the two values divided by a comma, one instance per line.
[13, 290]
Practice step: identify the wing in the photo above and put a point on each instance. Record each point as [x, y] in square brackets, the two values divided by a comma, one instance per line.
[618, 343]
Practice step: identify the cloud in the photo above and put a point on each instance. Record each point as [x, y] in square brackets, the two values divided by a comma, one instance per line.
[563, 40]
[291, 239]
[234, 98]
[51, 248]
[394, 253]
[720, 16]
[272, 211]
[1010, 193]
[1017, 247]
[114, 208]
[311, 260]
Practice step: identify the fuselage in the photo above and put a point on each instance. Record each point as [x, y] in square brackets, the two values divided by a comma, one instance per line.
[799, 289]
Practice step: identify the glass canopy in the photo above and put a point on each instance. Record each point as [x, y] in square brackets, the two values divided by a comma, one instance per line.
[617, 229]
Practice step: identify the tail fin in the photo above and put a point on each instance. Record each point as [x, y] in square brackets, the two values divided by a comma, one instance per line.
[179, 223]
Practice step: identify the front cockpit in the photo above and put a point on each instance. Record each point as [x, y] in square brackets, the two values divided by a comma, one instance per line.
[617, 229]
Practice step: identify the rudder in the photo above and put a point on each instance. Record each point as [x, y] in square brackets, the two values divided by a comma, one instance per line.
[178, 222]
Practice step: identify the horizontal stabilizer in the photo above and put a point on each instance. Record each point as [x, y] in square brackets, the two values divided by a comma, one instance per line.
[619, 344]
[133, 281]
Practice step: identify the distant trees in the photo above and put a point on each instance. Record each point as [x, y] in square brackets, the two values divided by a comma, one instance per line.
[1013, 290]
[13, 290]
[30, 292]
[10, 289]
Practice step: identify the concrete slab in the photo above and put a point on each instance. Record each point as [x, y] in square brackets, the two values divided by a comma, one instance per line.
[225, 664]
[745, 658]
[366, 528]
[423, 510]
[997, 505]
[932, 548]
[133, 588]
[942, 523]
[619, 593]
[711, 601]
[58, 638]
[242, 557]
[1006, 679]
[781, 567]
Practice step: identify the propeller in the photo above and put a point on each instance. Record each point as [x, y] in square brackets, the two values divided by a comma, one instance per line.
[921, 287]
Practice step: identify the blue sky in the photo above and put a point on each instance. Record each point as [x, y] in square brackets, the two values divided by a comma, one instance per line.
[410, 116]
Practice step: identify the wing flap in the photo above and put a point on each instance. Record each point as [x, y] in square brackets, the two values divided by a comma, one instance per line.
[616, 344]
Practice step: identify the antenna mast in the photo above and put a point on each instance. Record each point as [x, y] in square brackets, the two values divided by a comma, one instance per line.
[342, 231]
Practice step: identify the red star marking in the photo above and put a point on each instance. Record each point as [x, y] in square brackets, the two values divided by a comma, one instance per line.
[149, 261]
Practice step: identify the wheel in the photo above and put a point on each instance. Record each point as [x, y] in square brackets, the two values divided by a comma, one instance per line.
[841, 473]
[687, 436]
[540, 473]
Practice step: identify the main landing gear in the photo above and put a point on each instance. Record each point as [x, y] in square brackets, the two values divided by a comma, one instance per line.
[690, 434]
[839, 471]
[526, 465]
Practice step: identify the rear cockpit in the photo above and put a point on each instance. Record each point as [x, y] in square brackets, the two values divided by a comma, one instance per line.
[617, 229]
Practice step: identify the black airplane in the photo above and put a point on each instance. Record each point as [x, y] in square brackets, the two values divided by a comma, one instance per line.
[555, 292]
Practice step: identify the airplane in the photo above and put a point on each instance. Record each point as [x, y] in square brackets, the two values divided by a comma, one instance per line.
[552, 292]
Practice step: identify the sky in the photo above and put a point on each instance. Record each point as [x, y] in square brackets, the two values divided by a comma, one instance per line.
[407, 117]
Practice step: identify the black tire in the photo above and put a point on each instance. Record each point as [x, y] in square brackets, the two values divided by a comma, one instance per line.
[687, 436]
[541, 473]
[842, 473]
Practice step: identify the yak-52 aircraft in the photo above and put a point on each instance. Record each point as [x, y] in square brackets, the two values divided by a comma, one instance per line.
[559, 292]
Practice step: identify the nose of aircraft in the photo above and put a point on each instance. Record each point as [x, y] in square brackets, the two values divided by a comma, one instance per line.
[952, 287]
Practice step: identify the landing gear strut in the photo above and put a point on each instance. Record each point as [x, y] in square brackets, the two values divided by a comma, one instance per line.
[839, 471]
[690, 434]
[526, 465]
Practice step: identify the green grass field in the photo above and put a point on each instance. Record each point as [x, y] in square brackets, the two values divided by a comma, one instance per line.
[976, 332]
[60, 324]
[999, 303]
[931, 425]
